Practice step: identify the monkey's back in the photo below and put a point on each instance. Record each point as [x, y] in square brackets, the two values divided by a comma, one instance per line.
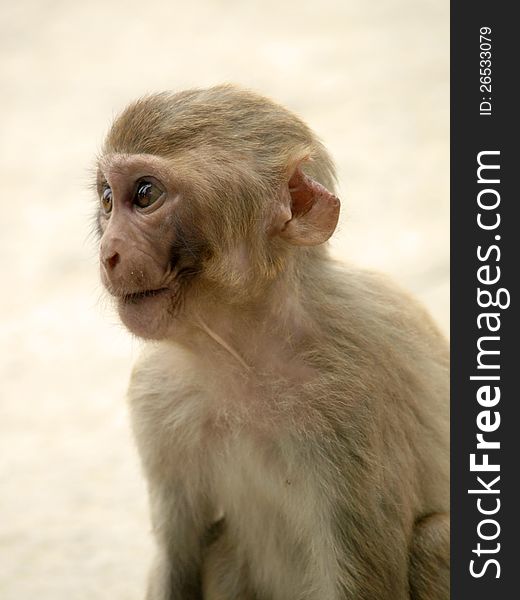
[381, 348]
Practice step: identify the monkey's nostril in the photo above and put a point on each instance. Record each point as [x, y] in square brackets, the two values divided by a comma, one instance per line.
[112, 261]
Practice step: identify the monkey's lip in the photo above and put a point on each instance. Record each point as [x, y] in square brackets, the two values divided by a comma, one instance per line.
[136, 297]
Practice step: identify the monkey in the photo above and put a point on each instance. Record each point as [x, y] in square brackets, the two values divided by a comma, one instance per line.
[290, 411]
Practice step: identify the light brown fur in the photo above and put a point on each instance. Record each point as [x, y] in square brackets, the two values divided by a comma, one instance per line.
[291, 414]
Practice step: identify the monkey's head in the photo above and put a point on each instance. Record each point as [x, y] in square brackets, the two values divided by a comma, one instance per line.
[207, 196]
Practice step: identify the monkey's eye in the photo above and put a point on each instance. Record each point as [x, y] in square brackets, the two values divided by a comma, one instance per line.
[106, 200]
[146, 193]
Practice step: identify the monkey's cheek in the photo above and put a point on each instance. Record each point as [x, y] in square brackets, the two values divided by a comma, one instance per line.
[148, 318]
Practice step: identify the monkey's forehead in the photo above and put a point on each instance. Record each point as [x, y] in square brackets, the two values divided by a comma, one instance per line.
[130, 164]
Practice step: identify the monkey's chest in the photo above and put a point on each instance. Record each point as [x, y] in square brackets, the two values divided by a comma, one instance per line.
[271, 508]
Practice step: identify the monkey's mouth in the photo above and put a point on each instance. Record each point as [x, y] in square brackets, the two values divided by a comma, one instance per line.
[137, 297]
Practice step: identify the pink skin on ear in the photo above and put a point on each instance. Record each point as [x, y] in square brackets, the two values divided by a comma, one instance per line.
[314, 212]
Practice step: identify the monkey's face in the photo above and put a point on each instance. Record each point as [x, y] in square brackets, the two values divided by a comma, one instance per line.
[173, 241]
[147, 255]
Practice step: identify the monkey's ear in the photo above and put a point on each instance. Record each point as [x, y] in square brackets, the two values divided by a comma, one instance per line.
[313, 214]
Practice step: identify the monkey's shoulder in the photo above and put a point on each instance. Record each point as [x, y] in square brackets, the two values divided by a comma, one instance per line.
[167, 409]
[372, 304]
[161, 368]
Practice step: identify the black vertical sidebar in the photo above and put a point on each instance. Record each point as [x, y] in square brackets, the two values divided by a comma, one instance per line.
[485, 523]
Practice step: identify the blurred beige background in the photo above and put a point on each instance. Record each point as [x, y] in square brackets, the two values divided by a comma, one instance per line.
[370, 77]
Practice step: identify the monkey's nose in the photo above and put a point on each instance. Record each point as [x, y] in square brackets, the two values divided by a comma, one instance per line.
[112, 260]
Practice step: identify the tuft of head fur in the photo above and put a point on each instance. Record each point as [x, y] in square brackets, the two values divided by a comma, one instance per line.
[232, 152]
[237, 125]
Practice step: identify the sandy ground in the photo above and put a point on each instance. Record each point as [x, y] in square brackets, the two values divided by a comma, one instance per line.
[370, 77]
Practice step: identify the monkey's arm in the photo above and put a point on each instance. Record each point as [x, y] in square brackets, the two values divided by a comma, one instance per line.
[163, 407]
[176, 571]
[430, 559]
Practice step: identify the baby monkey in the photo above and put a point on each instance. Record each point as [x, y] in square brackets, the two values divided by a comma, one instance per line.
[291, 413]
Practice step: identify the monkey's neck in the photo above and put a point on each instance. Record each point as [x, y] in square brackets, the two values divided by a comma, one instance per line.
[263, 335]
[223, 344]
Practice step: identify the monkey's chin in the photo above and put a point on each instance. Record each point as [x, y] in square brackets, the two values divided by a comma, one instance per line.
[147, 316]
